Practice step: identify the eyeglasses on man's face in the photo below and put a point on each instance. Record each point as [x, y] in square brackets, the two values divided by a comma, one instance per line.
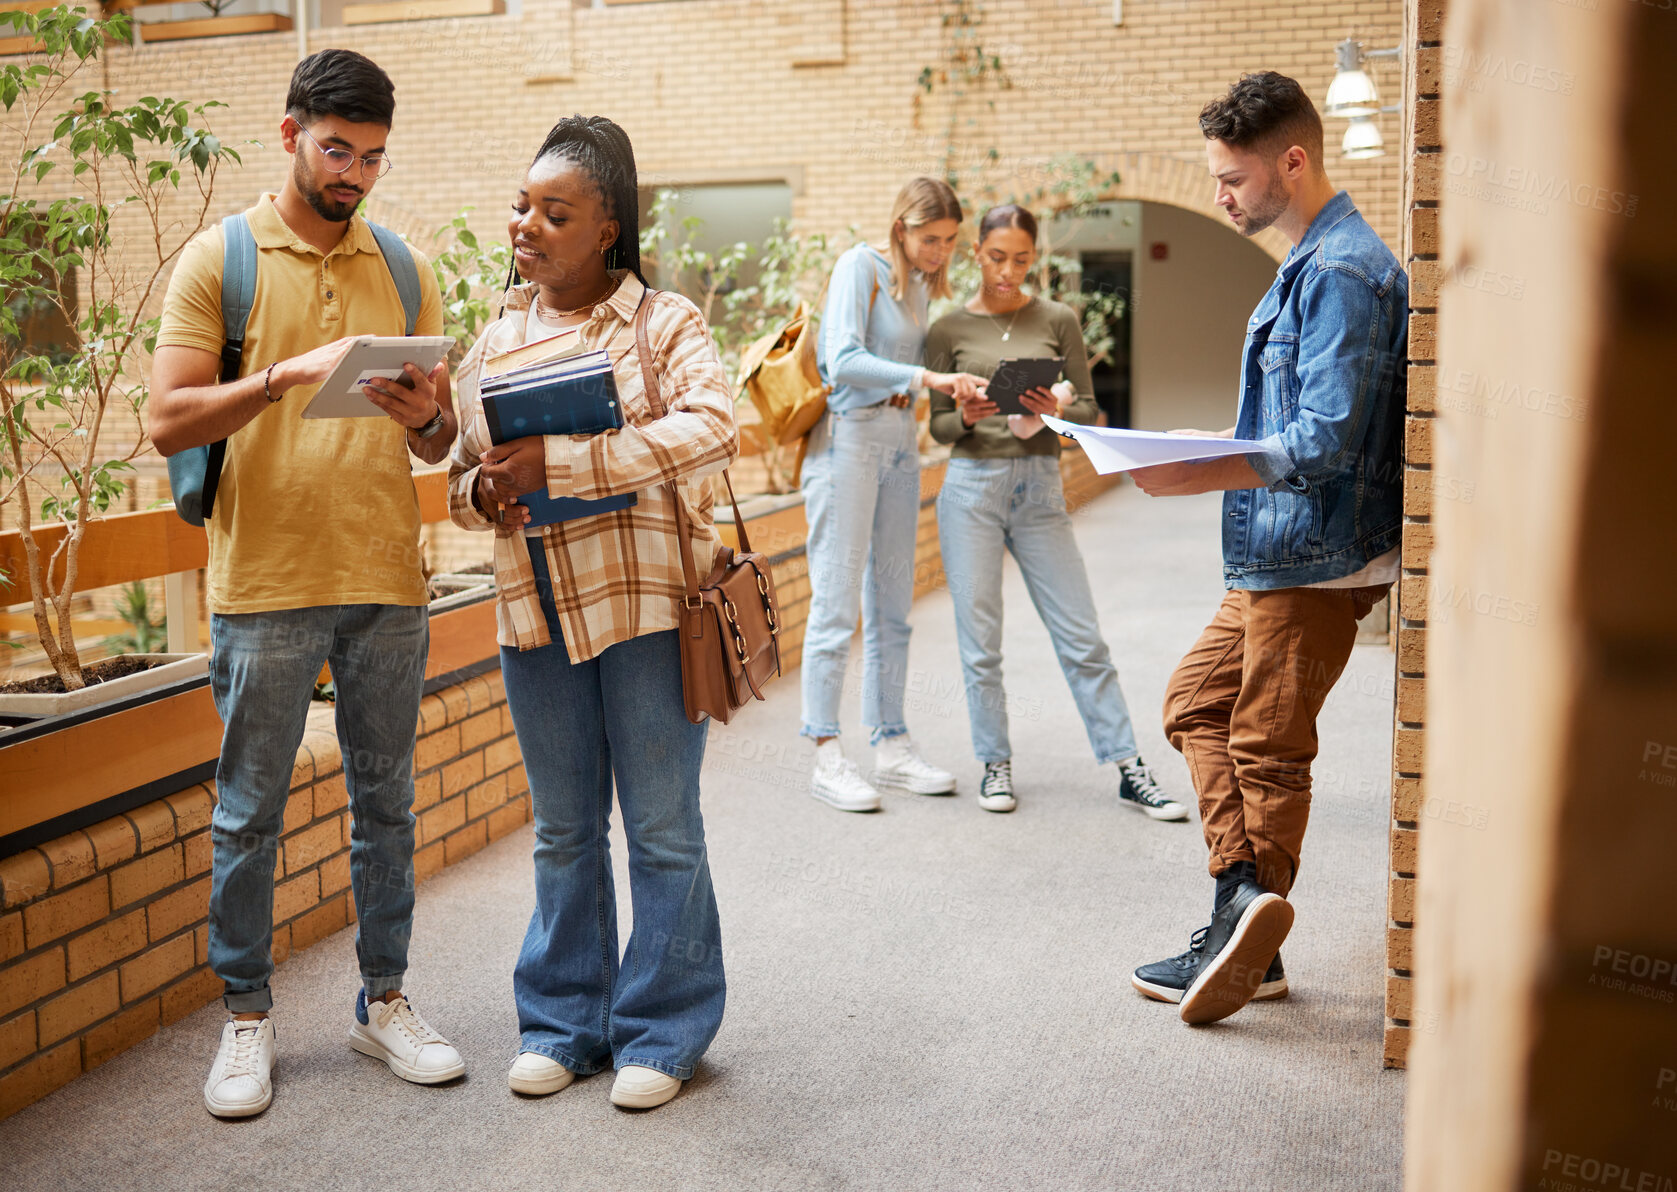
[338, 161]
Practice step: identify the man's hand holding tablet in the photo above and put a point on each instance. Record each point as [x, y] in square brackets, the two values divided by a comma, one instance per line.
[404, 378]
[375, 375]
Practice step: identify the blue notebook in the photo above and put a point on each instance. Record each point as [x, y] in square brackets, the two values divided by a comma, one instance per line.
[573, 396]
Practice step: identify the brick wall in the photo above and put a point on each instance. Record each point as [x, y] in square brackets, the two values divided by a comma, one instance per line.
[102, 932]
[825, 98]
[1423, 145]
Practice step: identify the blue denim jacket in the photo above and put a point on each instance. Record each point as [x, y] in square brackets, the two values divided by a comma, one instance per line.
[1322, 385]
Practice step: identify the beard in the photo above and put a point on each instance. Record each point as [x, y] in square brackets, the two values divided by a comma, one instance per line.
[315, 196]
[1267, 209]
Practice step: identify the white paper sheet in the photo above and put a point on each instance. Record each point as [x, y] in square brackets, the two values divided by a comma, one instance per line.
[1111, 450]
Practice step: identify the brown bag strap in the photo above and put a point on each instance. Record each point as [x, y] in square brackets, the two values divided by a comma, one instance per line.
[655, 397]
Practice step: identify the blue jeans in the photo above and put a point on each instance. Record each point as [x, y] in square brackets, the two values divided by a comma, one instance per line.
[262, 673]
[617, 716]
[861, 484]
[988, 507]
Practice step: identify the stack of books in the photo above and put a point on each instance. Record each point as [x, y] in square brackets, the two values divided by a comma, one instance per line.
[573, 395]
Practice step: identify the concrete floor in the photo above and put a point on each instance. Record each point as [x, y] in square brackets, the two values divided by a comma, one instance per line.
[932, 997]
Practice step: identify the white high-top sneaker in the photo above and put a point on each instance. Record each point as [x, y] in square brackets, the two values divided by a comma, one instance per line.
[897, 764]
[395, 1033]
[837, 782]
[240, 1083]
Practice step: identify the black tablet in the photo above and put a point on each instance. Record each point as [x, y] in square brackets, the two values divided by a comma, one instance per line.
[1015, 378]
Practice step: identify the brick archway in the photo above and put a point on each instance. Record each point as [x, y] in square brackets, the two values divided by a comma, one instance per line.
[1179, 182]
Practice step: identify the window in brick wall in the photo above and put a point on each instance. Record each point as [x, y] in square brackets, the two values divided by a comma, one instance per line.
[43, 328]
[711, 219]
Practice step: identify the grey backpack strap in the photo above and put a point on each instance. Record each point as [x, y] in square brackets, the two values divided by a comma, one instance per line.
[403, 271]
[238, 290]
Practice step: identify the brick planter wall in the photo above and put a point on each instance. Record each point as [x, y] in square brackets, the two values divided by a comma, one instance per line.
[102, 932]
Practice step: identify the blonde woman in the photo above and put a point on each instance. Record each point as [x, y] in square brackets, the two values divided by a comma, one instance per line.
[587, 624]
[861, 483]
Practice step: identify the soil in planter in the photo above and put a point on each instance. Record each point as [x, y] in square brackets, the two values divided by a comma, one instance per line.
[438, 591]
[100, 672]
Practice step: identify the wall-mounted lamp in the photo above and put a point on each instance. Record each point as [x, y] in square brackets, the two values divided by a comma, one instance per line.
[1352, 95]
[1362, 139]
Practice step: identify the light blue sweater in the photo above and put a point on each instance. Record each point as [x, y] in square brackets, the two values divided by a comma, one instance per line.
[866, 357]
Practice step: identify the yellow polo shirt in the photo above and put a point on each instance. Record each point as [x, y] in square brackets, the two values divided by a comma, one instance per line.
[309, 511]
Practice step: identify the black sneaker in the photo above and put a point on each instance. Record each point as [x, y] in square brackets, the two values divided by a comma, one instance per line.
[1137, 788]
[1240, 944]
[995, 792]
[1168, 980]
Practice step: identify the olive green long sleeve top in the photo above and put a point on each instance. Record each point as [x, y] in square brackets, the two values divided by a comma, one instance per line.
[964, 341]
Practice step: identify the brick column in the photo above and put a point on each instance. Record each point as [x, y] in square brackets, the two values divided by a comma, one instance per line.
[1423, 25]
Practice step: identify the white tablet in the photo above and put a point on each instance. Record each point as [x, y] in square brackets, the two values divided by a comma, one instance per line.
[373, 356]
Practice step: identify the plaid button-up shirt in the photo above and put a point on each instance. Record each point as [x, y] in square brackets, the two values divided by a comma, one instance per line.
[615, 575]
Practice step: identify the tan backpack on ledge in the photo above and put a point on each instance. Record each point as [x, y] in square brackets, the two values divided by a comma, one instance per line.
[778, 372]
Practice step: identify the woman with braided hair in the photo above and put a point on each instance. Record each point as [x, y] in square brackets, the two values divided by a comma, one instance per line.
[586, 619]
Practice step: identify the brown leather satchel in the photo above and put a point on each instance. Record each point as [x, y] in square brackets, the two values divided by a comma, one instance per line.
[729, 625]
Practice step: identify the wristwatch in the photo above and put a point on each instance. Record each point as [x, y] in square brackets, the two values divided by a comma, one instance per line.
[433, 426]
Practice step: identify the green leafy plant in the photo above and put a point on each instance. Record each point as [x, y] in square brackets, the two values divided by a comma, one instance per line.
[144, 636]
[143, 176]
[470, 274]
[743, 290]
[965, 67]
[1060, 189]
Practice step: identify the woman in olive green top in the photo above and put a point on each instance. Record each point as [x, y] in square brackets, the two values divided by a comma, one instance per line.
[1002, 494]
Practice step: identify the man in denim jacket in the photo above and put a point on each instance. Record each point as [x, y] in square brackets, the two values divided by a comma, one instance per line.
[1311, 527]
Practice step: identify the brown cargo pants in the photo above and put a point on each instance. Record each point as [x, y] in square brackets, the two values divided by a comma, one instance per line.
[1241, 709]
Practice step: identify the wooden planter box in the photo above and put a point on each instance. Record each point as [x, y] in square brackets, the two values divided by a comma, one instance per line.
[66, 772]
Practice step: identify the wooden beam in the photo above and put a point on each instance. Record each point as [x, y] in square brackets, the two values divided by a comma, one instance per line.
[86, 628]
[420, 10]
[117, 549]
[432, 487]
[124, 547]
[262, 22]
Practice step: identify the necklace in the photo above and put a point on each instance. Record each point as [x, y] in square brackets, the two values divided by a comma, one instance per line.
[549, 313]
[1009, 329]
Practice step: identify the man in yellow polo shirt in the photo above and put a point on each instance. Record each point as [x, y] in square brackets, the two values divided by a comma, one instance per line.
[314, 558]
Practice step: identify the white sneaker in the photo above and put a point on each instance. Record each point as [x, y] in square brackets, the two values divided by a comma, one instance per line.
[897, 764]
[837, 782]
[536, 1076]
[395, 1033]
[240, 1082]
[642, 1088]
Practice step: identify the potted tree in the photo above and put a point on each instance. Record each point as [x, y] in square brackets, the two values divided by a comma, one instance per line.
[100, 198]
